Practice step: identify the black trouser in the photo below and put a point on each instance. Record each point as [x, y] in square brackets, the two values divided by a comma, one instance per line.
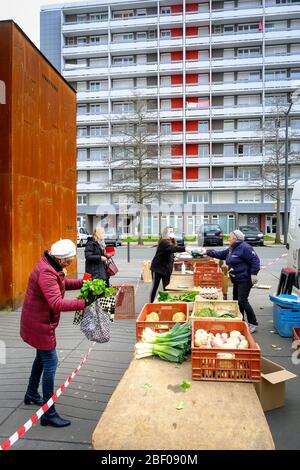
[156, 280]
[241, 293]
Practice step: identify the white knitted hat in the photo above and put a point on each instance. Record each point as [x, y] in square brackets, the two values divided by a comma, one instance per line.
[63, 249]
[239, 235]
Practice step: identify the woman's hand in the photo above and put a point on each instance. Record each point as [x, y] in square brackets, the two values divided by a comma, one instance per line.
[109, 255]
[104, 259]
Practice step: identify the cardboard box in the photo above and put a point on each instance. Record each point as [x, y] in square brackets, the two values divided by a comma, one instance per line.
[271, 388]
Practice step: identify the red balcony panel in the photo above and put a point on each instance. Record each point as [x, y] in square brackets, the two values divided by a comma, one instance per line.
[192, 126]
[177, 150]
[192, 78]
[192, 55]
[192, 99]
[192, 31]
[177, 174]
[176, 8]
[192, 173]
[177, 103]
[177, 126]
[178, 55]
[176, 32]
[192, 150]
[192, 7]
[176, 79]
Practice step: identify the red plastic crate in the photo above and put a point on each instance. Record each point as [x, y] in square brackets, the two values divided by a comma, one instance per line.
[125, 303]
[244, 367]
[165, 311]
[208, 279]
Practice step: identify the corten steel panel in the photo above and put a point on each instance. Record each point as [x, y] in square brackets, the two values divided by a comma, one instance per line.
[42, 159]
[5, 166]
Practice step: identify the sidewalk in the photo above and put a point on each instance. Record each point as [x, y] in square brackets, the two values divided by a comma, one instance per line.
[86, 397]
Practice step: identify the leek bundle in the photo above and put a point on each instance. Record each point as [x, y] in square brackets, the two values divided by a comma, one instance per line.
[171, 346]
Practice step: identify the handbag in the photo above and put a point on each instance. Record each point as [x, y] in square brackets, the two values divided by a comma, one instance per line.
[95, 323]
[109, 304]
[111, 267]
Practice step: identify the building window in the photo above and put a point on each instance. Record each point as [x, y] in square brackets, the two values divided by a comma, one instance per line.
[123, 61]
[81, 131]
[141, 12]
[228, 173]
[249, 196]
[82, 199]
[248, 173]
[203, 126]
[165, 34]
[166, 128]
[165, 11]
[123, 14]
[274, 75]
[249, 52]
[199, 197]
[203, 150]
[81, 155]
[99, 131]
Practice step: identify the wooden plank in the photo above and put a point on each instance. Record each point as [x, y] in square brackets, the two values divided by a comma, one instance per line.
[215, 415]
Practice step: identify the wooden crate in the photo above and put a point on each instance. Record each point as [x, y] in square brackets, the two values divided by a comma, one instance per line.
[219, 306]
[181, 282]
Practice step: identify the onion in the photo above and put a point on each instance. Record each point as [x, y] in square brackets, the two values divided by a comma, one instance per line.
[235, 334]
[243, 344]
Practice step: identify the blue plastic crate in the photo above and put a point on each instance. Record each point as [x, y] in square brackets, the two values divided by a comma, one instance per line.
[285, 319]
[286, 300]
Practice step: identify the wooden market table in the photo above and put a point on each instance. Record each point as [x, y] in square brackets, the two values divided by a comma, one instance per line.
[142, 412]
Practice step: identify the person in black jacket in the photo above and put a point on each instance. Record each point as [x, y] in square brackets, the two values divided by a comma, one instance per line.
[95, 255]
[163, 261]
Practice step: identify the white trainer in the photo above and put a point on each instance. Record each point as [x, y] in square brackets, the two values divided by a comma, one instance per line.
[252, 328]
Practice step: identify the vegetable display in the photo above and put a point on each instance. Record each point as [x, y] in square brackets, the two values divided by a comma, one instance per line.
[210, 312]
[171, 346]
[95, 287]
[233, 340]
[189, 296]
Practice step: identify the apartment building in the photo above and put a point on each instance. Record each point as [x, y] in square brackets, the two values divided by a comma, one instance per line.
[211, 76]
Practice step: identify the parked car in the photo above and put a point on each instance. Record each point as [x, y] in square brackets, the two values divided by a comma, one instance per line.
[210, 234]
[111, 237]
[82, 236]
[253, 235]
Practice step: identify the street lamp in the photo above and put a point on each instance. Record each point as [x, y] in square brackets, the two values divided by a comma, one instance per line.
[286, 171]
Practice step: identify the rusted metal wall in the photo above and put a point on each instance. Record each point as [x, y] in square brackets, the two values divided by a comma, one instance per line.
[42, 161]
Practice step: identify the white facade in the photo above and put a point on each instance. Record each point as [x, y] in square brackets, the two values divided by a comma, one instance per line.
[209, 74]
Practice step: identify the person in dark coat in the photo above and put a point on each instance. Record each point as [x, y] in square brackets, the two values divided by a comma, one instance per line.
[163, 261]
[44, 302]
[96, 256]
[244, 265]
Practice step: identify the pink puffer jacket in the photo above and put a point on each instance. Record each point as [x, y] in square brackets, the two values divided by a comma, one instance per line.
[44, 300]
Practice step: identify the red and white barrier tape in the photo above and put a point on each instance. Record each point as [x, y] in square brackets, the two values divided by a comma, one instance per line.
[33, 420]
[275, 261]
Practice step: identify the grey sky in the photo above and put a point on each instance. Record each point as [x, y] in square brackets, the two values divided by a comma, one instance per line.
[26, 13]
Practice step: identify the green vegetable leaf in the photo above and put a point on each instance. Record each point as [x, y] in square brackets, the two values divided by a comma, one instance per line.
[180, 405]
[147, 386]
[185, 384]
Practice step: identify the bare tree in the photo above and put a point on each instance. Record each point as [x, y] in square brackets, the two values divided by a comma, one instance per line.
[273, 172]
[136, 159]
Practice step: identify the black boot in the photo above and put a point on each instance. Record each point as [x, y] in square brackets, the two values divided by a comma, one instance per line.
[53, 419]
[36, 399]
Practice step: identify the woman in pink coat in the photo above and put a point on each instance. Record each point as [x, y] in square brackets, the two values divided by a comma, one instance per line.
[44, 301]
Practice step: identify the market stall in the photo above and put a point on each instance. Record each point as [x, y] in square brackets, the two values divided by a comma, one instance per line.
[149, 410]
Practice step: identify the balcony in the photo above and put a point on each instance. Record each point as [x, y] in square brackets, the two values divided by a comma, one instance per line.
[87, 27]
[236, 111]
[92, 164]
[92, 141]
[227, 16]
[77, 51]
[221, 160]
[91, 186]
